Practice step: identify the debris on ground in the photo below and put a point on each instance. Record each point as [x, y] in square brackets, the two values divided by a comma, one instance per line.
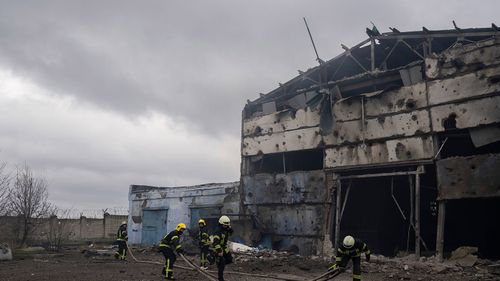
[5, 252]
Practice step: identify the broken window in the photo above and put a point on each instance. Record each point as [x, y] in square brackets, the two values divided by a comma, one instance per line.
[302, 160]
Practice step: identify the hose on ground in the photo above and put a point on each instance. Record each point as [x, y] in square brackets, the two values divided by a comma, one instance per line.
[195, 268]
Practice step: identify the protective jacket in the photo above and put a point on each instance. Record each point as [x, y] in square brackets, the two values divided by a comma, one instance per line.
[221, 238]
[172, 241]
[121, 234]
[203, 237]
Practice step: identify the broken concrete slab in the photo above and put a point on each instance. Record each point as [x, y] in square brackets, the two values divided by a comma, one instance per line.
[467, 261]
[463, 252]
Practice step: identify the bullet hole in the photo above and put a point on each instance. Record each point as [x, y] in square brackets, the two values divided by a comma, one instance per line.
[277, 145]
[284, 143]
[381, 119]
[414, 117]
[494, 79]
[335, 133]
[299, 136]
[473, 167]
[250, 194]
[450, 122]
[258, 130]
[410, 104]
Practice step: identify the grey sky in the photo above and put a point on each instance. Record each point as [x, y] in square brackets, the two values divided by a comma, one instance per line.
[97, 95]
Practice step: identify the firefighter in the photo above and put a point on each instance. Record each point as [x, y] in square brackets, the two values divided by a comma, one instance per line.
[219, 245]
[204, 243]
[121, 240]
[169, 246]
[351, 249]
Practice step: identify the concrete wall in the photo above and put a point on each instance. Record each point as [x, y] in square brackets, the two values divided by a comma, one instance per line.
[83, 229]
[179, 201]
[288, 207]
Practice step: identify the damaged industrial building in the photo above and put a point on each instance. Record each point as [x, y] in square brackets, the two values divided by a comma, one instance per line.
[395, 141]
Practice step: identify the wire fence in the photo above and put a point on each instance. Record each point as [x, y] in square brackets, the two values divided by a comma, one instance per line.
[94, 213]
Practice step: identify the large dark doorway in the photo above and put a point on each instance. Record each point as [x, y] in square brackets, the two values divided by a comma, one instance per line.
[473, 222]
[379, 211]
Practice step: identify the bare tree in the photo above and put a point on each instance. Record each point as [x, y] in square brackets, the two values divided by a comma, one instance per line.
[59, 229]
[27, 199]
[4, 186]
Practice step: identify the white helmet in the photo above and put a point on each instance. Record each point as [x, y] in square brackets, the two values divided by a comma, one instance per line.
[224, 220]
[124, 222]
[348, 241]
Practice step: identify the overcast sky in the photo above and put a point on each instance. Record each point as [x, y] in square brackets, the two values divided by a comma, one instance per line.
[98, 95]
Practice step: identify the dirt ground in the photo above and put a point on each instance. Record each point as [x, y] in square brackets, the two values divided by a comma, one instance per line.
[75, 265]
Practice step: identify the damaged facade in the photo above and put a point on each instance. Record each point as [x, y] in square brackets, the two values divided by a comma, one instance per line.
[396, 141]
[156, 210]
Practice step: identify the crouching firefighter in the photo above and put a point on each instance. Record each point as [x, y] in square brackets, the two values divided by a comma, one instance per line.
[351, 249]
[221, 236]
[121, 241]
[169, 246]
[204, 243]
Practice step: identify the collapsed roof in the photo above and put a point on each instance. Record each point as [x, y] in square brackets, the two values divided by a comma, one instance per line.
[370, 66]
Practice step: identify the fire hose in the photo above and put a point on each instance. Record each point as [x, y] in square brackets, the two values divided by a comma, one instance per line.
[208, 273]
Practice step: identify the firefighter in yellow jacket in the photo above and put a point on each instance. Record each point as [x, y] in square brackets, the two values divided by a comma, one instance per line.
[121, 240]
[351, 249]
[204, 243]
[169, 246]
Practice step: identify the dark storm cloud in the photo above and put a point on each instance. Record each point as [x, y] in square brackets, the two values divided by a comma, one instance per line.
[195, 63]
[195, 60]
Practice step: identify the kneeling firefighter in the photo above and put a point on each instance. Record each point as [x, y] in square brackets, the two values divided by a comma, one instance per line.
[221, 236]
[351, 249]
[169, 246]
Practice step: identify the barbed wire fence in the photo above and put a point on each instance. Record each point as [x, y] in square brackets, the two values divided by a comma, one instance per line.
[75, 213]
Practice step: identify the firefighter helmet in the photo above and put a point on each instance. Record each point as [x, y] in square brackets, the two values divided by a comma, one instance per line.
[202, 221]
[124, 222]
[224, 220]
[348, 241]
[180, 227]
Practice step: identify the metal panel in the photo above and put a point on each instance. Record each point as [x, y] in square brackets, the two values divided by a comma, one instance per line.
[391, 151]
[292, 188]
[280, 121]
[465, 86]
[269, 107]
[405, 124]
[484, 135]
[467, 114]
[411, 75]
[463, 59]
[307, 138]
[403, 99]
[469, 177]
[293, 220]
[154, 225]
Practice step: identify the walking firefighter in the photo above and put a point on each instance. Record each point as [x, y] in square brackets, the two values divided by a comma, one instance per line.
[121, 240]
[204, 243]
[219, 245]
[170, 246]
